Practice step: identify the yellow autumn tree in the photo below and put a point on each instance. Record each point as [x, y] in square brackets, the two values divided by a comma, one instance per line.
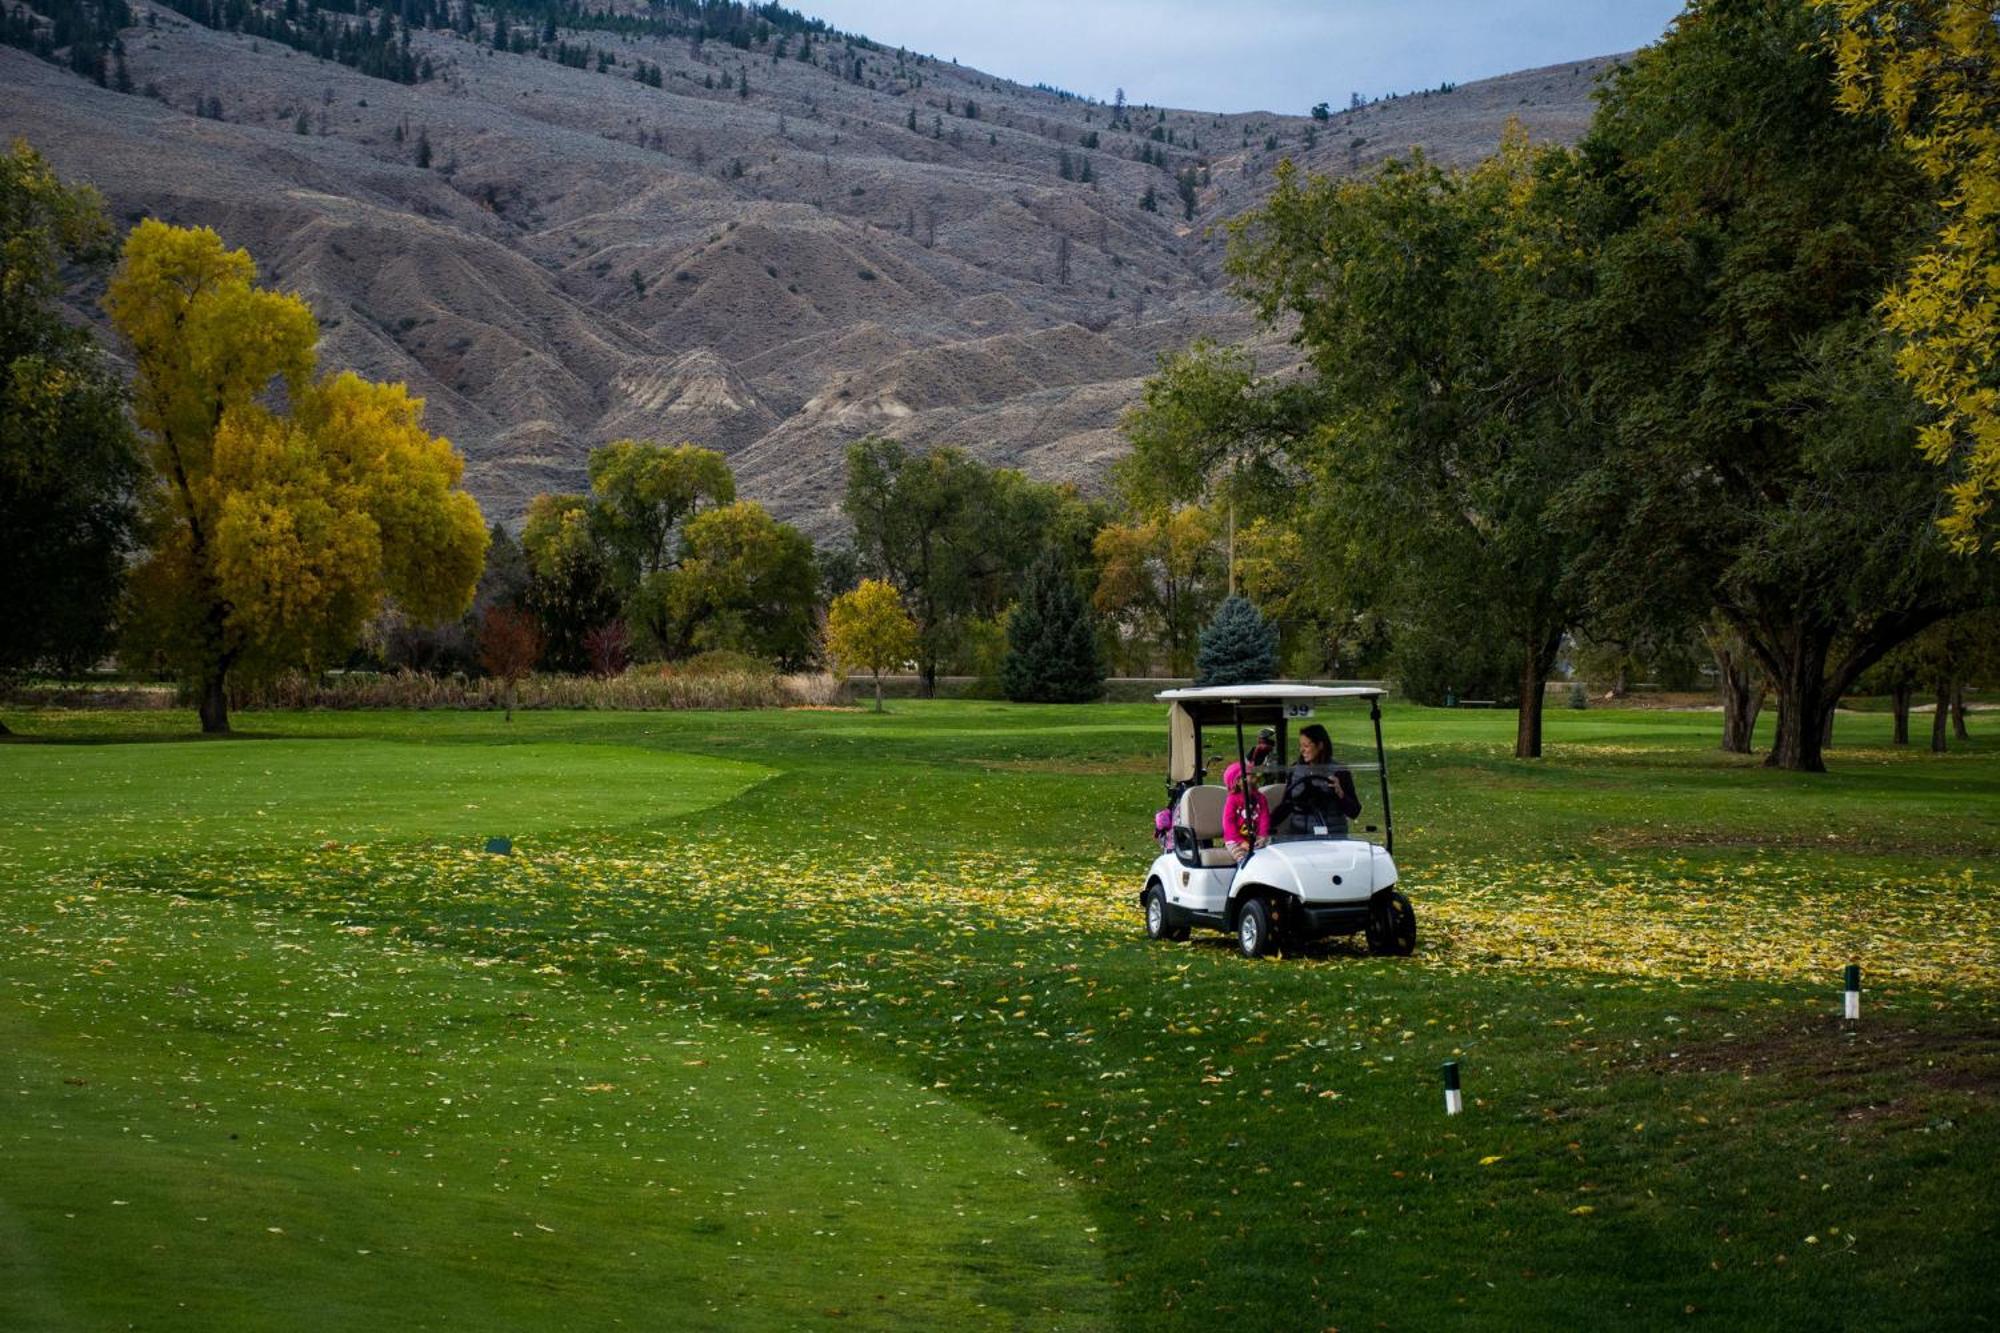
[1932, 67]
[274, 531]
[868, 630]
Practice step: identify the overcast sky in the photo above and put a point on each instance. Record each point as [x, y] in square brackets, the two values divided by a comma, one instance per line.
[1252, 55]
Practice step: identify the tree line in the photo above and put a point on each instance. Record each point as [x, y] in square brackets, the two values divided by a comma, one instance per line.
[1679, 392]
[1634, 391]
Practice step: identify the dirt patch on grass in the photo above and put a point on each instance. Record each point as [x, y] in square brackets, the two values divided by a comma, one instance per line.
[1884, 1076]
[1871, 841]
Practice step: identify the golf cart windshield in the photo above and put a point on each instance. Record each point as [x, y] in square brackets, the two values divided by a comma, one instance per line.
[1345, 794]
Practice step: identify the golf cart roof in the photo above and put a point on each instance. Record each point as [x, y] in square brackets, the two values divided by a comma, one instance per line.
[1271, 703]
[1277, 691]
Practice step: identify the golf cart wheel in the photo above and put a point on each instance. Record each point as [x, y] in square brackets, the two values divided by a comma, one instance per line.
[1156, 915]
[1392, 925]
[1253, 929]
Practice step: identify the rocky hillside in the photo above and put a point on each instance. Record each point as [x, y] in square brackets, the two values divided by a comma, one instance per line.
[759, 253]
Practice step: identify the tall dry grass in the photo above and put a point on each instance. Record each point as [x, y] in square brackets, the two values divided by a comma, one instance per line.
[638, 689]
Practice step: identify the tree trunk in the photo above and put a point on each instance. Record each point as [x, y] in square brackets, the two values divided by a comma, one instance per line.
[1741, 700]
[1537, 659]
[214, 705]
[927, 676]
[878, 691]
[1958, 712]
[1803, 704]
[1899, 701]
[1826, 727]
[1939, 718]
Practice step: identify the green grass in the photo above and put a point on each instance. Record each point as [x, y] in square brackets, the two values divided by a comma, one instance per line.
[789, 1018]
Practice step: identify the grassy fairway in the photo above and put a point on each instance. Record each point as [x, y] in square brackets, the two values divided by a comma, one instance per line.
[778, 1019]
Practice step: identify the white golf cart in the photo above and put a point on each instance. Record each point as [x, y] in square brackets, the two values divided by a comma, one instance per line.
[1319, 875]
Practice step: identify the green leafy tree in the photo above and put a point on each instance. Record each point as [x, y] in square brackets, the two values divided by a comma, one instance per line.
[747, 583]
[1052, 655]
[1208, 431]
[641, 494]
[644, 491]
[1442, 413]
[1745, 229]
[570, 588]
[1159, 577]
[953, 535]
[68, 461]
[1238, 646]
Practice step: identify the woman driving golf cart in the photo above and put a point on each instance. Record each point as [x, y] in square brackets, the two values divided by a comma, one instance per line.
[1222, 867]
[1319, 795]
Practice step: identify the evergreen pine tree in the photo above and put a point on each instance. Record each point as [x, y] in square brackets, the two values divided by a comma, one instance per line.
[1237, 647]
[1052, 654]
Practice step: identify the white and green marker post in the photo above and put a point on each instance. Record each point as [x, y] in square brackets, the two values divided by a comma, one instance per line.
[1454, 1100]
[1853, 1011]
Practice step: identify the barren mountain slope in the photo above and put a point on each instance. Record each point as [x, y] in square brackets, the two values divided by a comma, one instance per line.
[776, 274]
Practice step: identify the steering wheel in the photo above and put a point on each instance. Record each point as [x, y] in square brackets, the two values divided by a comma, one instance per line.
[1317, 785]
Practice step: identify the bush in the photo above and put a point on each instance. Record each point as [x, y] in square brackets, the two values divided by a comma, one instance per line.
[1428, 662]
[719, 662]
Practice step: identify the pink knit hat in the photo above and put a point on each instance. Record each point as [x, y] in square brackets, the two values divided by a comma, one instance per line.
[1231, 775]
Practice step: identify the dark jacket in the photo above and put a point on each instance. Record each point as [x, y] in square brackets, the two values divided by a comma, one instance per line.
[1309, 794]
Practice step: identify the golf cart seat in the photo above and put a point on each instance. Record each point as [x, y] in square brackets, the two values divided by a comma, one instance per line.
[1200, 816]
[1274, 792]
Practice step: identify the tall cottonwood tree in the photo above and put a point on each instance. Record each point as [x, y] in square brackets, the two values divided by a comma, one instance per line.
[954, 536]
[68, 462]
[274, 531]
[1159, 578]
[642, 494]
[1426, 300]
[746, 582]
[1760, 443]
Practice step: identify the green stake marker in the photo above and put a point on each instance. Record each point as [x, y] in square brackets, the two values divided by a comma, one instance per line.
[1853, 992]
[1454, 1100]
[500, 846]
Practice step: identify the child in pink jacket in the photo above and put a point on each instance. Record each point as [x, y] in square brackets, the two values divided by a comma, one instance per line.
[1246, 815]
